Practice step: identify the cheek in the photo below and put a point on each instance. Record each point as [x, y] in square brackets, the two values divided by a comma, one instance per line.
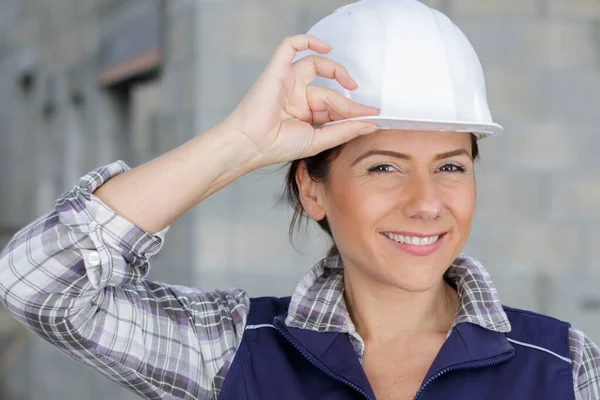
[357, 206]
[460, 202]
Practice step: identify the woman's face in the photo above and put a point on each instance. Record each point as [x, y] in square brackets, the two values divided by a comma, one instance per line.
[399, 204]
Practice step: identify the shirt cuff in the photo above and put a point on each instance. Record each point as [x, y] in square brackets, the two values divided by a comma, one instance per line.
[111, 234]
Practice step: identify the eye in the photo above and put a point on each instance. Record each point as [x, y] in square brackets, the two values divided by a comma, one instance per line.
[452, 168]
[382, 169]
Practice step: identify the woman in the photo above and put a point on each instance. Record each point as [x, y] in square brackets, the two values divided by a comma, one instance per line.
[394, 312]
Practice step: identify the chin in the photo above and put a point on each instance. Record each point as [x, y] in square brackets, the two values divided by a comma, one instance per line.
[414, 274]
[415, 281]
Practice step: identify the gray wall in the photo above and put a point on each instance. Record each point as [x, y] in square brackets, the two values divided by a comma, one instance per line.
[538, 212]
[43, 153]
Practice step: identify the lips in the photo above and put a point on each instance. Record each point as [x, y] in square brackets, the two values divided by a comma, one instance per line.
[413, 240]
[415, 244]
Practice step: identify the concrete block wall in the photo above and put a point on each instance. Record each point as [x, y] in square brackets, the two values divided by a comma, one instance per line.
[538, 192]
[43, 155]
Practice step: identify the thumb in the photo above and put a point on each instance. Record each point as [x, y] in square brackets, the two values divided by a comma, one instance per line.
[334, 135]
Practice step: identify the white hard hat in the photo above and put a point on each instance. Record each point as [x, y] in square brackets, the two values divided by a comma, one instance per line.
[410, 61]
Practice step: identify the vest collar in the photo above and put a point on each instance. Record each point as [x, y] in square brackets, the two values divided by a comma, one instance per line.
[469, 346]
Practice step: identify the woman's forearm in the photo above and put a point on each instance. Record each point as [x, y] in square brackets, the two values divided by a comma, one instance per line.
[156, 193]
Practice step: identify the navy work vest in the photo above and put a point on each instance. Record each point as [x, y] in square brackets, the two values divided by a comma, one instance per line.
[276, 362]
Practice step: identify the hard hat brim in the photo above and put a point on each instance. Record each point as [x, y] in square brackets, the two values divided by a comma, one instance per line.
[476, 128]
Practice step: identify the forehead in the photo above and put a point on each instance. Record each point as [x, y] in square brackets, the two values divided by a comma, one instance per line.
[414, 143]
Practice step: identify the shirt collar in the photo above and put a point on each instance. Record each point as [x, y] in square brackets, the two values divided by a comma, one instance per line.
[318, 301]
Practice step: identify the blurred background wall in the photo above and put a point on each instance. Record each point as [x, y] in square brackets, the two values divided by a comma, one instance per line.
[86, 82]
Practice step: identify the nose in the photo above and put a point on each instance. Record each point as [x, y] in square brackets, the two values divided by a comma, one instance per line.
[423, 199]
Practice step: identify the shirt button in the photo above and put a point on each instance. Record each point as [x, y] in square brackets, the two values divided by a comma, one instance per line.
[93, 225]
[94, 258]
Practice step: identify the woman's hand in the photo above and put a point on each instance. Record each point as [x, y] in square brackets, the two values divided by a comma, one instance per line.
[273, 123]
[277, 115]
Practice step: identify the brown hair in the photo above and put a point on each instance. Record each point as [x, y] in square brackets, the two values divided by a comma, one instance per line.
[318, 167]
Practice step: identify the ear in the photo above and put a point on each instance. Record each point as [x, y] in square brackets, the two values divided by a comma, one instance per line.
[310, 192]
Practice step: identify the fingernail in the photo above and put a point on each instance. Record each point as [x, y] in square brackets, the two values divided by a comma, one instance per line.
[368, 129]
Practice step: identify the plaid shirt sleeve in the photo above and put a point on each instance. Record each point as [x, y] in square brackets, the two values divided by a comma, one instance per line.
[75, 276]
[585, 356]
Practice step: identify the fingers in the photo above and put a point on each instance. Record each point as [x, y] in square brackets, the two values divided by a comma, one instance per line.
[328, 105]
[323, 117]
[308, 68]
[335, 135]
[285, 53]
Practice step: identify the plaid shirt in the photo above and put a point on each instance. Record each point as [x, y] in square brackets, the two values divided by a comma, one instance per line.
[76, 277]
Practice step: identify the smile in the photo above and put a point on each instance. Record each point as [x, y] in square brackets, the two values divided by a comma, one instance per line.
[413, 240]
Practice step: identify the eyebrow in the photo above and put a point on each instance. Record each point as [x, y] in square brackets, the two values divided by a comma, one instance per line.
[403, 156]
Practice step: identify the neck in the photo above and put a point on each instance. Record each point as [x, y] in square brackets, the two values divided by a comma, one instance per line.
[382, 312]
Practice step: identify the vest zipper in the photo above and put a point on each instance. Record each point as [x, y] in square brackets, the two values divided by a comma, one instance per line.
[459, 367]
[319, 365]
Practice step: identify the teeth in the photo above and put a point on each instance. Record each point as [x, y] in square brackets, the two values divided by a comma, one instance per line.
[413, 240]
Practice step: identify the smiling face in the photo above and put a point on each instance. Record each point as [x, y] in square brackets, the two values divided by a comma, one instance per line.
[399, 205]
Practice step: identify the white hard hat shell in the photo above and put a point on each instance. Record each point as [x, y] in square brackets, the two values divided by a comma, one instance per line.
[410, 61]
